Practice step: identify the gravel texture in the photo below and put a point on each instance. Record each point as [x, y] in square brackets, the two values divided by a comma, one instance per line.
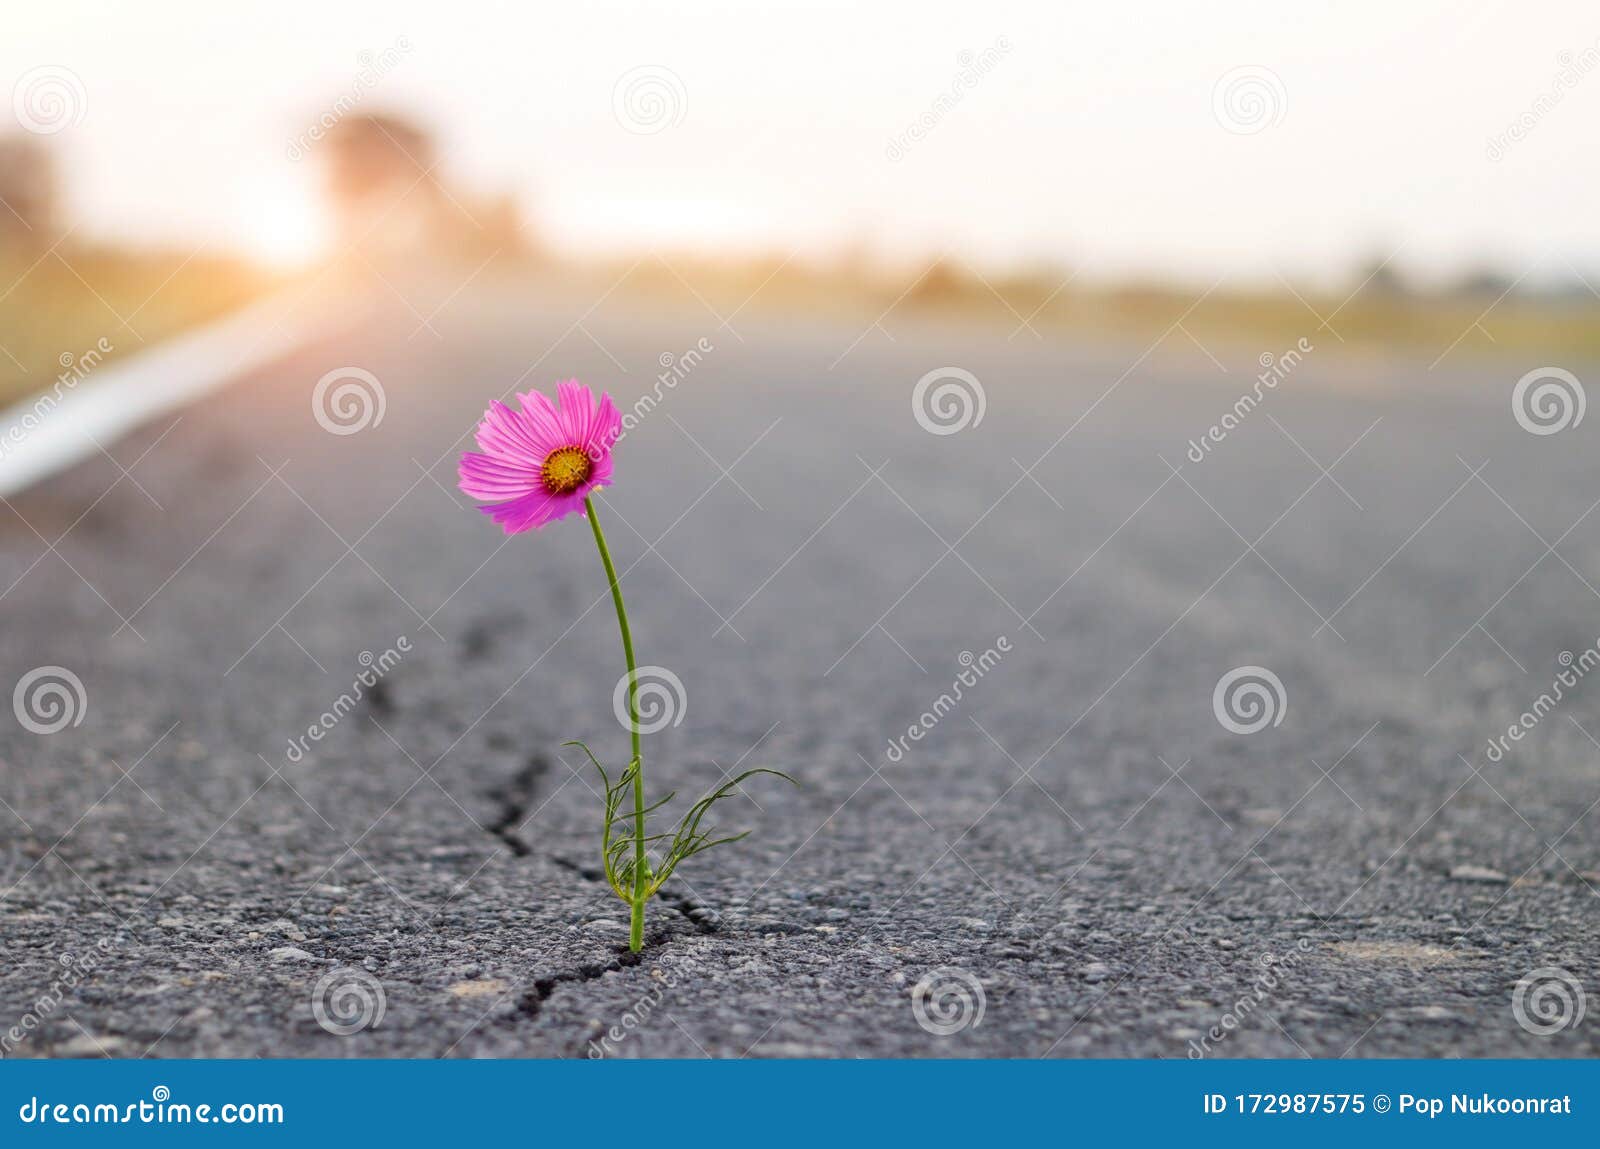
[1077, 842]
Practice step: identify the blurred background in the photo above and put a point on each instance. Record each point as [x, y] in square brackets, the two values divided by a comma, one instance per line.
[1051, 168]
[1157, 346]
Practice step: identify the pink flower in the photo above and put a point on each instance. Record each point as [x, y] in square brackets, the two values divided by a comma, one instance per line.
[539, 464]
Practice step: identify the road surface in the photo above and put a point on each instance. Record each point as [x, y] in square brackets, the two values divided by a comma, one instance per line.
[1076, 853]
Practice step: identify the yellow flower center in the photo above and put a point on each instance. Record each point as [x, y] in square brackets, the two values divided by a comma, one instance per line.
[565, 470]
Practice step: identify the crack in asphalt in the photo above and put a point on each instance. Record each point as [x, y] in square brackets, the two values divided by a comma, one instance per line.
[531, 1003]
[516, 798]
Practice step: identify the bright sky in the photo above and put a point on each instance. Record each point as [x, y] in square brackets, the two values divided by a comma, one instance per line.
[1098, 137]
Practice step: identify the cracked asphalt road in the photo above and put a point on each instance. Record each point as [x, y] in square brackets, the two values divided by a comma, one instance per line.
[1078, 840]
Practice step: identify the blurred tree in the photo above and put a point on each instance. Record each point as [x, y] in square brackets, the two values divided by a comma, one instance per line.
[1381, 276]
[28, 192]
[1483, 282]
[380, 176]
[390, 198]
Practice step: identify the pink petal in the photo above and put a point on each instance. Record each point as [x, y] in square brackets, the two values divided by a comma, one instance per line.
[577, 411]
[491, 477]
[600, 476]
[526, 513]
[544, 419]
[509, 471]
[514, 436]
[604, 428]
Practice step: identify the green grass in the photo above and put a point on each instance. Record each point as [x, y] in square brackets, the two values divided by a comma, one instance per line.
[62, 303]
[1449, 327]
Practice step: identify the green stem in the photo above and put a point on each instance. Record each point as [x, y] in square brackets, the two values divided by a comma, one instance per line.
[641, 877]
